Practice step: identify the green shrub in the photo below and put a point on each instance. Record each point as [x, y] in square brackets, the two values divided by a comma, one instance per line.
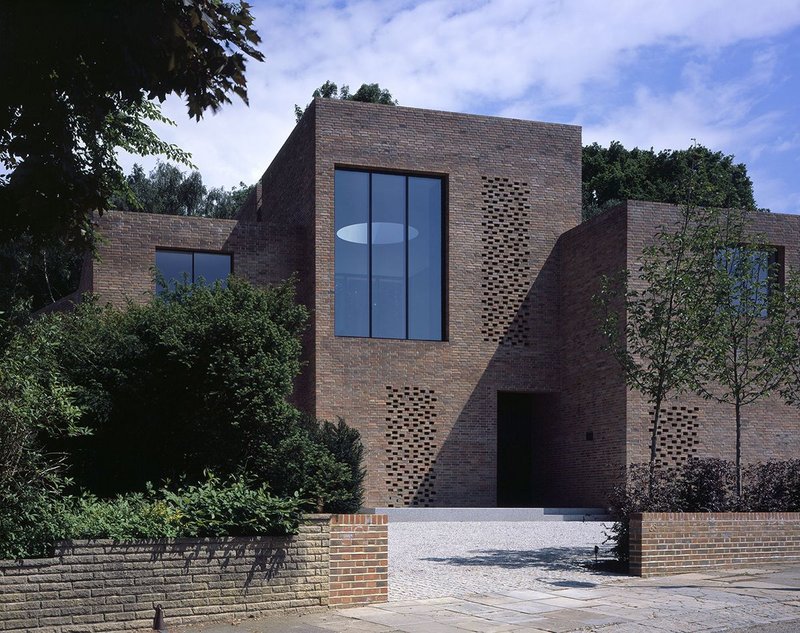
[320, 462]
[701, 485]
[210, 508]
[633, 496]
[707, 485]
[199, 379]
[30, 522]
[772, 487]
[234, 509]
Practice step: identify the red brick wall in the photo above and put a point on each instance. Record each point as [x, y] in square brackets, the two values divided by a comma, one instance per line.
[359, 559]
[593, 394]
[127, 252]
[672, 543]
[286, 220]
[443, 395]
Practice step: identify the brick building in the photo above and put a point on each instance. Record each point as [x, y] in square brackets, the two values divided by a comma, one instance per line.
[450, 283]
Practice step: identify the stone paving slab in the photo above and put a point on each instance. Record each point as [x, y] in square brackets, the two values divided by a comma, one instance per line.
[689, 603]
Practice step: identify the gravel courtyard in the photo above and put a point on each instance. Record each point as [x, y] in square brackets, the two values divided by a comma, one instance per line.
[438, 559]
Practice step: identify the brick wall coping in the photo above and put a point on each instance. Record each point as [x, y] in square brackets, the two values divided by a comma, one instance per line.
[716, 516]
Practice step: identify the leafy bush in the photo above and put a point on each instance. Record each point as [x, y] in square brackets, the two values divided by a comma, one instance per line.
[633, 496]
[320, 461]
[234, 509]
[772, 487]
[199, 379]
[210, 508]
[707, 485]
[702, 485]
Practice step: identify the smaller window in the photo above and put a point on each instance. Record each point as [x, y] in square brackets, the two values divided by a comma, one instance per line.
[753, 275]
[187, 267]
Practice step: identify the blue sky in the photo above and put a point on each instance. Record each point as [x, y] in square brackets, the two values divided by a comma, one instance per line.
[648, 73]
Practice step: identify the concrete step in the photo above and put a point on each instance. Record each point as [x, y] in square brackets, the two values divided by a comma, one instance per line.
[411, 515]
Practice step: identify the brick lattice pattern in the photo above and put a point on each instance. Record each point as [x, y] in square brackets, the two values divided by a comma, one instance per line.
[103, 585]
[677, 435]
[674, 543]
[506, 260]
[411, 446]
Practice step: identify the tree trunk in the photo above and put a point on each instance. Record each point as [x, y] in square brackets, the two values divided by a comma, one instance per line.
[654, 446]
[738, 450]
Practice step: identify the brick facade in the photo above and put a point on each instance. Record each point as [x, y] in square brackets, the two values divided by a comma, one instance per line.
[93, 586]
[673, 543]
[769, 426]
[520, 273]
[456, 379]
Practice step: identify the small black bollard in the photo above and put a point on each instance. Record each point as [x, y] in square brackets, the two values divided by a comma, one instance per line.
[596, 552]
[158, 620]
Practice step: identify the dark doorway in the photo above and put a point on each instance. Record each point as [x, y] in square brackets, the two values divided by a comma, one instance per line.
[523, 423]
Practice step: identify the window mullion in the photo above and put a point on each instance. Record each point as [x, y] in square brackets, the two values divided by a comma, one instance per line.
[405, 257]
[369, 255]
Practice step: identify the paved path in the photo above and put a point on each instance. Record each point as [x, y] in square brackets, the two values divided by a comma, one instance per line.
[535, 577]
[723, 601]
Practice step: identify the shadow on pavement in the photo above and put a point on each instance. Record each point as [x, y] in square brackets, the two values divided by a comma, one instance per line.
[548, 558]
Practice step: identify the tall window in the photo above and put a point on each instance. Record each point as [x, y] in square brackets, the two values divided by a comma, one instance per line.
[177, 267]
[752, 275]
[388, 255]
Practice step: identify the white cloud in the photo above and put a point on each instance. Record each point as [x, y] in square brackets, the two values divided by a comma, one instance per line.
[506, 57]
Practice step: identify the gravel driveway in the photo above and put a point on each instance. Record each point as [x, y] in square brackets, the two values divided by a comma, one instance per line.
[437, 559]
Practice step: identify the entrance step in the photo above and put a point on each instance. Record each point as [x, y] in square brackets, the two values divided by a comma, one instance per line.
[414, 515]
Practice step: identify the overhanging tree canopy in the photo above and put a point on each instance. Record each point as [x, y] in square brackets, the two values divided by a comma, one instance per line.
[79, 80]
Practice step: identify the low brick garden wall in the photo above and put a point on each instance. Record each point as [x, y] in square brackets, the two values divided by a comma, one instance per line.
[103, 585]
[664, 543]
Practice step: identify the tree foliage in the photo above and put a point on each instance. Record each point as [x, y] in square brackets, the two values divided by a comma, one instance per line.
[746, 336]
[367, 93]
[199, 379]
[168, 190]
[79, 80]
[614, 174]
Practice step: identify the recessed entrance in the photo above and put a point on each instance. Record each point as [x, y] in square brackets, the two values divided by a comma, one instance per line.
[523, 422]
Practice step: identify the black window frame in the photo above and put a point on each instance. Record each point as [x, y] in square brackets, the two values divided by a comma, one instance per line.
[191, 251]
[775, 267]
[444, 192]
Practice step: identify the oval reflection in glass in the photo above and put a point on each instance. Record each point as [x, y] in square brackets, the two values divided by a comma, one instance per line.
[382, 233]
[388, 256]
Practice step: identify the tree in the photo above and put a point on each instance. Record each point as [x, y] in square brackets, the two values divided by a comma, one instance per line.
[32, 276]
[198, 379]
[613, 174]
[79, 80]
[649, 319]
[746, 336]
[367, 93]
[168, 190]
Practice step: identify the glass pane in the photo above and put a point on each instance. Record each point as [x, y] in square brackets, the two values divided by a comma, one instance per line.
[351, 253]
[749, 272]
[388, 256]
[211, 267]
[175, 267]
[425, 259]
